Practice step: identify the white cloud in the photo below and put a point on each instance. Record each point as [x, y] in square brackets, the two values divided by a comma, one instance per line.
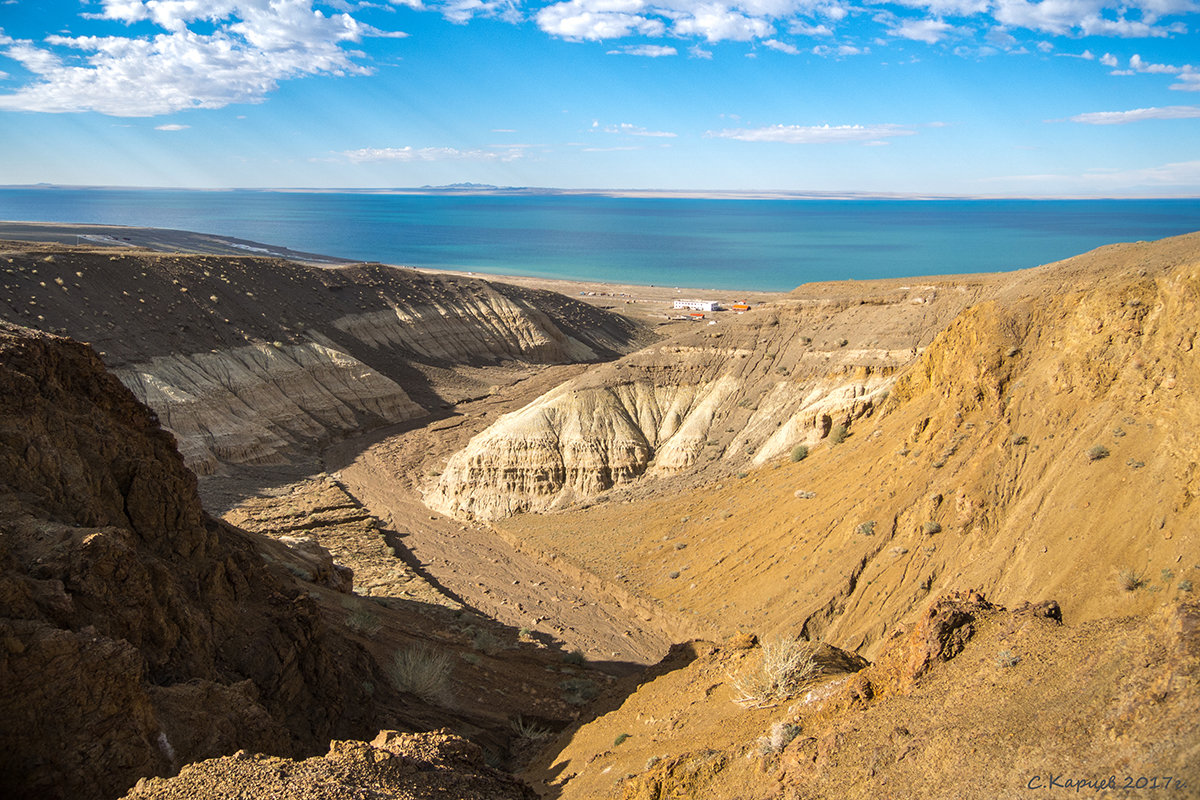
[463, 11]
[1189, 82]
[1187, 74]
[1093, 17]
[800, 28]
[647, 50]
[1108, 60]
[696, 51]
[930, 31]
[817, 134]
[956, 8]
[841, 50]
[172, 127]
[248, 47]
[629, 129]
[409, 154]
[782, 47]
[1138, 65]
[1137, 115]
[597, 19]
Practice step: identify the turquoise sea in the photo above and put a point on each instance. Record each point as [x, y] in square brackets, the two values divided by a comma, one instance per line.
[709, 243]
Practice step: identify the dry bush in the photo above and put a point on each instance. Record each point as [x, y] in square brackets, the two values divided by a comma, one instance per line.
[422, 671]
[787, 668]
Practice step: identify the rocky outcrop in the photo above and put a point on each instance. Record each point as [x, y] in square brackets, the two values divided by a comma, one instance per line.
[136, 633]
[393, 765]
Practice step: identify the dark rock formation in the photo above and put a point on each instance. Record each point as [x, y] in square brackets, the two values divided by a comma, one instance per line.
[127, 615]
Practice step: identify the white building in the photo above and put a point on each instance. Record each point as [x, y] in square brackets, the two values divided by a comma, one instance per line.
[699, 305]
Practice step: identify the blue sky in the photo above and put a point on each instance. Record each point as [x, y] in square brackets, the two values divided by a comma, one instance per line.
[976, 97]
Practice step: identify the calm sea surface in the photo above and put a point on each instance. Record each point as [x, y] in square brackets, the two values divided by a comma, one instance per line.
[724, 244]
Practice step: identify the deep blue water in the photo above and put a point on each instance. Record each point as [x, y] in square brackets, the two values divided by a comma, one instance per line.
[727, 244]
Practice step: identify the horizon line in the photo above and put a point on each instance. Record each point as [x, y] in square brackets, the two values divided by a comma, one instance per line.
[470, 189]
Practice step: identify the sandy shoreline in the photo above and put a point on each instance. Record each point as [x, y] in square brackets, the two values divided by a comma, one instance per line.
[627, 298]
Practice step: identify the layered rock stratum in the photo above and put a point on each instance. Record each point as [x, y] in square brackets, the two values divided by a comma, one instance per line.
[246, 359]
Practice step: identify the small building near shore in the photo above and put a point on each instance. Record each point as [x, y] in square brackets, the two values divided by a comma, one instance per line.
[740, 307]
[699, 305]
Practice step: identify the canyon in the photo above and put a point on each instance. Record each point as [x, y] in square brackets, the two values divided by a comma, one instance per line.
[264, 489]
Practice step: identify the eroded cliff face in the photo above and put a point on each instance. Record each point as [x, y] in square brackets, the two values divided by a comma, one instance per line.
[738, 396]
[138, 633]
[250, 405]
[245, 359]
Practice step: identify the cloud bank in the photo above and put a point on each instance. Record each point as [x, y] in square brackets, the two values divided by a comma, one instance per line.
[248, 47]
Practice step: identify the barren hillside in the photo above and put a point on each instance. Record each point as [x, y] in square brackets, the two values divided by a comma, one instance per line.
[879, 474]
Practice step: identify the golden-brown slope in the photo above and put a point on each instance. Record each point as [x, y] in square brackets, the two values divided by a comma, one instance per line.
[984, 468]
[973, 702]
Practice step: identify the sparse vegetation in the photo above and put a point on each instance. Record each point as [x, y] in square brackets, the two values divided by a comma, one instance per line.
[362, 620]
[931, 527]
[838, 434]
[1185, 585]
[1005, 658]
[799, 452]
[578, 691]
[621, 737]
[573, 657]
[1020, 439]
[486, 642]
[781, 734]
[1167, 575]
[422, 671]
[530, 731]
[1131, 579]
[787, 667]
[1097, 452]
[866, 528]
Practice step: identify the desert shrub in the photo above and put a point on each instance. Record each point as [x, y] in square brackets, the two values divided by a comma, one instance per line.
[621, 737]
[1131, 580]
[866, 528]
[1185, 585]
[422, 671]
[799, 452]
[1020, 439]
[486, 642]
[363, 621]
[838, 434]
[787, 667]
[528, 730]
[573, 657]
[1167, 575]
[930, 528]
[780, 736]
[1005, 658]
[1097, 452]
[578, 691]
